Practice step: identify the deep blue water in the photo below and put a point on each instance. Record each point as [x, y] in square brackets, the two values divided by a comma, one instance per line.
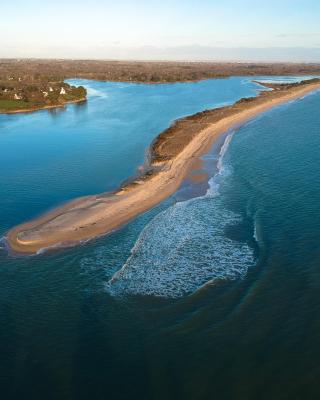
[213, 297]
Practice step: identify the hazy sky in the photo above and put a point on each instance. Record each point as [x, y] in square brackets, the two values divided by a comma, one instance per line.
[163, 29]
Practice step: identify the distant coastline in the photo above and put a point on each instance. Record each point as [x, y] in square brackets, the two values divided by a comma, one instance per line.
[170, 158]
[148, 71]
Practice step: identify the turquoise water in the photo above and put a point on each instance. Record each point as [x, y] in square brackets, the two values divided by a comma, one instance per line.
[213, 297]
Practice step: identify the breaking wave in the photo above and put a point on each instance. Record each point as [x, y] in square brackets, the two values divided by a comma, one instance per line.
[185, 247]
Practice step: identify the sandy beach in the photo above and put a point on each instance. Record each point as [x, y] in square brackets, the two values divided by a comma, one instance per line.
[171, 157]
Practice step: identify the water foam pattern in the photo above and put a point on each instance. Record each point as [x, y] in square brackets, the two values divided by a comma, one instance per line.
[185, 247]
[181, 249]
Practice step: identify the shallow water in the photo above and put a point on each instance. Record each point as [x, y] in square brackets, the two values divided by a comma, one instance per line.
[217, 296]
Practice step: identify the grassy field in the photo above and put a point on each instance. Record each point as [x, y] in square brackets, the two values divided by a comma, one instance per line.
[9, 105]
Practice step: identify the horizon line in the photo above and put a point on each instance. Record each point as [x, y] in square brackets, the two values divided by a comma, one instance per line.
[212, 61]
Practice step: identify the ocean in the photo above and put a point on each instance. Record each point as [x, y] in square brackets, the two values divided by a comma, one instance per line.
[209, 296]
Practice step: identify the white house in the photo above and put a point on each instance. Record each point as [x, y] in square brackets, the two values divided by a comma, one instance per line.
[50, 89]
[62, 91]
[16, 97]
[45, 94]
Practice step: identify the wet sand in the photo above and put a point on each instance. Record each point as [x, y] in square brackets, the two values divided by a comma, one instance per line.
[198, 177]
[172, 155]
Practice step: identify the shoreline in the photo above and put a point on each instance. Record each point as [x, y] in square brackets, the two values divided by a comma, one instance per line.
[171, 157]
[196, 80]
[30, 110]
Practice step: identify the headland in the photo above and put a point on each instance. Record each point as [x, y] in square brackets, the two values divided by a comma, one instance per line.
[22, 93]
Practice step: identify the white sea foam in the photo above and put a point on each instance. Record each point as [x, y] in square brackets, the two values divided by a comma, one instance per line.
[255, 231]
[185, 247]
[224, 170]
[220, 164]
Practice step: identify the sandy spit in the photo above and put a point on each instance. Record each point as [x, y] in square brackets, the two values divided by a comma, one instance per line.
[91, 216]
